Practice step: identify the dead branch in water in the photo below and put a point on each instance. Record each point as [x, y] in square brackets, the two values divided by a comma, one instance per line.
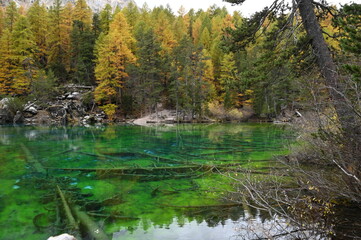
[32, 161]
[205, 206]
[112, 216]
[74, 227]
[91, 227]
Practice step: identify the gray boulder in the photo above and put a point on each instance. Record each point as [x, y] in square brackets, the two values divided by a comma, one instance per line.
[5, 114]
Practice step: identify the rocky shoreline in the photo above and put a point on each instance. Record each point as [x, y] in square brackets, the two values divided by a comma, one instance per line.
[73, 107]
[67, 108]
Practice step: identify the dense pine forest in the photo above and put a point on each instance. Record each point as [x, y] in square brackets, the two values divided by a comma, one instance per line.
[200, 63]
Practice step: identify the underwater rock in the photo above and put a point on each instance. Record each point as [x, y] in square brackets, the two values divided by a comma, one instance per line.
[64, 236]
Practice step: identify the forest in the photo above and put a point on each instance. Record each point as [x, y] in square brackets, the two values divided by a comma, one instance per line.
[201, 63]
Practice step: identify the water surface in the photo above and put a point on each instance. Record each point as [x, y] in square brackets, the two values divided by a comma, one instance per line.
[169, 181]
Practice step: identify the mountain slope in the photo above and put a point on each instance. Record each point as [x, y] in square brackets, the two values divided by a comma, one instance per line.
[95, 5]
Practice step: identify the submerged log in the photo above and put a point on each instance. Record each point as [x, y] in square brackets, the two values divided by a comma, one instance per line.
[72, 223]
[99, 156]
[227, 205]
[113, 156]
[171, 172]
[164, 159]
[112, 216]
[219, 153]
[33, 161]
[133, 170]
[90, 226]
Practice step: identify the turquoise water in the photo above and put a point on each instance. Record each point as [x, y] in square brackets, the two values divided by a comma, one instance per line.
[135, 182]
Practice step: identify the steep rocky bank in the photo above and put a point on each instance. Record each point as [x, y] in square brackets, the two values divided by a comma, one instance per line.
[70, 107]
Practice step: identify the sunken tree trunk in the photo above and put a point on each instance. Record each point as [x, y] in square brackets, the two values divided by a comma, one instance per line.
[327, 66]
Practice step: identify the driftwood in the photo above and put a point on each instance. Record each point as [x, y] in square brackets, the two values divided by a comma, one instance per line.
[134, 170]
[99, 156]
[32, 161]
[164, 159]
[219, 153]
[73, 149]
[210, 148]
[163, 171]
[112, 156]
[90, 226]
[112, 216]
[227, 205]
[72, 223]
[117, 199]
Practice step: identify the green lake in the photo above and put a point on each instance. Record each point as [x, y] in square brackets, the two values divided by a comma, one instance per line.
[161, 182]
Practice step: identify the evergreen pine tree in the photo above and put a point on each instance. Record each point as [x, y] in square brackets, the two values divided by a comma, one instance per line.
[11, 15]
[148, 68]
[105, 18]
[350, 21]
[82, 46]
[229, 79]
[56, 51]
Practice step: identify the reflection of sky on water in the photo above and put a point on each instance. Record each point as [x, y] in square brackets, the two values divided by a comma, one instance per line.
[189, 231]
[245, 228]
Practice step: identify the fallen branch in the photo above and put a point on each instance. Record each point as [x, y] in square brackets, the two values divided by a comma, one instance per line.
[205, 206]
[110, 156]
[164, 159]
[72, 223]
[133, 170]
[219, 153]
[112, 216]
[90, 226]
[99, 156]
[32, 161]
[164, 172]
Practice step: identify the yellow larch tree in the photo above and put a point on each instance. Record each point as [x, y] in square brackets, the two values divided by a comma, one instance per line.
[7, 63]
[181, 24]
[82, 13]
[24, 46]
[2, 25]
[163, 30]
[113, 53]
[66, 26]
[38, 20]
[196, 31]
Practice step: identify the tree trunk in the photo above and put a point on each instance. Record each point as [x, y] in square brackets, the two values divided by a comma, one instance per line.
[327, 66]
